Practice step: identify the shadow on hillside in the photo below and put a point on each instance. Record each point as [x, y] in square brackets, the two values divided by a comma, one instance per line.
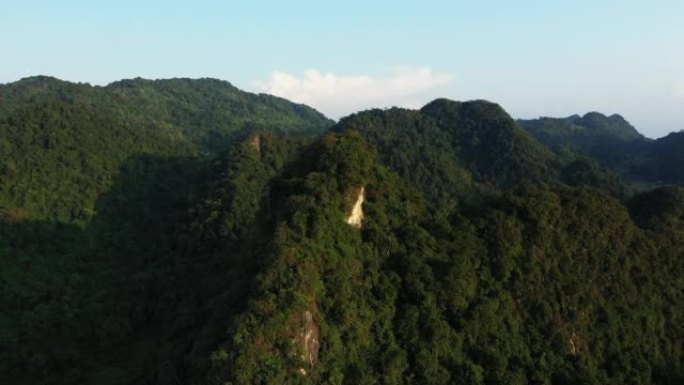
[145, 305]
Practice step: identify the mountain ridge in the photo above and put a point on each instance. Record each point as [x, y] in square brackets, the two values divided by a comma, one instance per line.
[483, 256]
[79, 130]
[614, 144]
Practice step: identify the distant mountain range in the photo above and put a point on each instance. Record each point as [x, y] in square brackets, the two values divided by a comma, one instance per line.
[615, 144]
[186, 232]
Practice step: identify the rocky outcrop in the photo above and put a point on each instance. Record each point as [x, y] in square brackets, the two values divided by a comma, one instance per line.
[355, 218]
[307, 342]
[256, 144]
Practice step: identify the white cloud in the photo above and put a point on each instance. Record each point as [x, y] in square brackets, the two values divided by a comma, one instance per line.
[337, 95]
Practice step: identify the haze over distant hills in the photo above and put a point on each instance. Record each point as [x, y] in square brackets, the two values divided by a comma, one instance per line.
[185, 232]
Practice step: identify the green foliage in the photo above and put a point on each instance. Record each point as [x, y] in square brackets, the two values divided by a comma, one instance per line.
[583, 130]
[540, 285]
[128, 256]
[62, 144]
[616, 145]
[664, 160]
[455, 151]
[586, 172]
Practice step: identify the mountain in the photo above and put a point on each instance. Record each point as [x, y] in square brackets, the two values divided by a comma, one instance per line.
[582, 130]
[62, 144]
[450, 149]
[478, 296]
[662, 160]
[610, 140]
[434, 246]
[615, 145]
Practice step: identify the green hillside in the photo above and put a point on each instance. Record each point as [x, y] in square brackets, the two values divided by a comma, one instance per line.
[62, 144]
[614, 144]
[445, 245]
[454, 151]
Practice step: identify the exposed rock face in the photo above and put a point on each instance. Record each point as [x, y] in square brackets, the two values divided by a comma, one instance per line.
[573, 348]
[307, 341]
[356, 217]
[256, 144]
[578, 344]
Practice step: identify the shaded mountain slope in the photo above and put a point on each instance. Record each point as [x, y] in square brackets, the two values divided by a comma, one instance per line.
[615, 144]
[582, 130]
[663, 161]
[610, 139]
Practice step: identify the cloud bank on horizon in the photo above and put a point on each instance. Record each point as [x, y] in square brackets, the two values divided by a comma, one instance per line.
[339, 95]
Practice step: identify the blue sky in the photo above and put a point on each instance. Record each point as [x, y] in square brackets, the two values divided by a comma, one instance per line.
[552, 58]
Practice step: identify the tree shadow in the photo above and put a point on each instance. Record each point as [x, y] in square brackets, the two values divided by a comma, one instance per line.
[123, 299]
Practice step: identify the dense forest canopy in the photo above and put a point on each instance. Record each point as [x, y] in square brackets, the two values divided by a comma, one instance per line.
[185, 232]
[616, 145]
[62, 144]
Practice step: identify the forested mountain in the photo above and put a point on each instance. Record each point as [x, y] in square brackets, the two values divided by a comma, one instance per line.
[62, 144]
[615, 144]
[454, 151]
[584, 130]
[663, 160]
[445, 245]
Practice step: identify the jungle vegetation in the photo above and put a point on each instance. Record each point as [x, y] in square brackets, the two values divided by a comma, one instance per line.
[185, 232]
